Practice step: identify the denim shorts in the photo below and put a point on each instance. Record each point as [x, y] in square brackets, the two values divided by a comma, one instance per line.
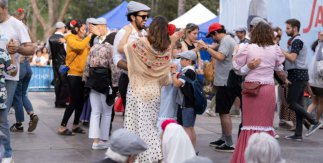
[188, 117]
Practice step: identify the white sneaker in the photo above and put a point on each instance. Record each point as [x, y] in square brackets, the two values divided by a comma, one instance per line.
[209, 112]
[7, 160]
[11, 110]
[100, 145]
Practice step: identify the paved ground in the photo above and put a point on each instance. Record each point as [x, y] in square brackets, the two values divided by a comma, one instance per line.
[45, 146]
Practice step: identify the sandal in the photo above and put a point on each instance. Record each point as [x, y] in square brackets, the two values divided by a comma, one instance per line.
[79, 130]
[16, 128]
[66, 132]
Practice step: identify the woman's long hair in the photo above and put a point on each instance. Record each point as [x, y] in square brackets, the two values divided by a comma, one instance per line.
[262, 35]
[158, 34]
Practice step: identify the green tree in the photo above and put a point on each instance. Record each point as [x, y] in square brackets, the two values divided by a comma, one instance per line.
[50, 11]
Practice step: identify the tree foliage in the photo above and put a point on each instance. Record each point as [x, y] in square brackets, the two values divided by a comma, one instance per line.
[82, 9]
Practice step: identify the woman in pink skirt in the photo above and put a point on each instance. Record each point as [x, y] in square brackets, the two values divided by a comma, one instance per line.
[258, 61]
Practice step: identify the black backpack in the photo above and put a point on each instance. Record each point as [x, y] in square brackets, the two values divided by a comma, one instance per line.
[199, 97]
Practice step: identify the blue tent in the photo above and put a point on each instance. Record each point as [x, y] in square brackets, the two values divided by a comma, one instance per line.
[205, 26]
[117, 18]
[202, 35]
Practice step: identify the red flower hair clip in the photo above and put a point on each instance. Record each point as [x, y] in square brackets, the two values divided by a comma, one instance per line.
[73, 23]
[171, 29]
[20, 10]
[167, 122]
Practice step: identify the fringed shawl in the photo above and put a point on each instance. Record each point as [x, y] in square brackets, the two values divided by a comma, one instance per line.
[146, 64]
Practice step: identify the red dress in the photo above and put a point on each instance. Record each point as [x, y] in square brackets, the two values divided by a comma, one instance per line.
[258, 111]
[257, 116]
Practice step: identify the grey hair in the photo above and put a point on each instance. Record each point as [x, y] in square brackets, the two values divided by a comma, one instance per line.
[4, 3]
[263, 148]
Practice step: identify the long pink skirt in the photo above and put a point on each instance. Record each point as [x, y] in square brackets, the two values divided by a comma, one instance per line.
[257, 116]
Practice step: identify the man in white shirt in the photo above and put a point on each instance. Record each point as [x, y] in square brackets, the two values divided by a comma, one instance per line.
[11, 29]
[138, 15]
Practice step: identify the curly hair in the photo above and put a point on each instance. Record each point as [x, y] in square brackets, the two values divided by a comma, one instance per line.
[262, 35]
[158, 33]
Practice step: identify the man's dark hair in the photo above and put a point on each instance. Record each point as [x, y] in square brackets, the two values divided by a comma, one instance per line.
[294, 23]
[3, 4]
[129, 16]
[222, 30]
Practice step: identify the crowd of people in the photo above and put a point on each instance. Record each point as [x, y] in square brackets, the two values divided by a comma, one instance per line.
[151, 70]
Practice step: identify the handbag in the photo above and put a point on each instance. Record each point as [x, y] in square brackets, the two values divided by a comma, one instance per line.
[63, 69]
[251, 88]
[99, 79]
[118, 106]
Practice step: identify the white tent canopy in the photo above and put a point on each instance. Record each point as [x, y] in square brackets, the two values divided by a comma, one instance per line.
[198, 14]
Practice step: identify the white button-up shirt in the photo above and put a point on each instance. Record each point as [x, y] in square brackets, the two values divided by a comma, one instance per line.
[132, 37]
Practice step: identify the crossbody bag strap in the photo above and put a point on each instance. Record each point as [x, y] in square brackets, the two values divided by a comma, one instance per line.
[72, 60]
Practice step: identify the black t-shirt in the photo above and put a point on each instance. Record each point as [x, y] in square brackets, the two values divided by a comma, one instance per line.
[187, 89]
[190, 47]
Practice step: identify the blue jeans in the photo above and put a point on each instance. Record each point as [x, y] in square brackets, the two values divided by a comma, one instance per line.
[4, 124]
[21, 99]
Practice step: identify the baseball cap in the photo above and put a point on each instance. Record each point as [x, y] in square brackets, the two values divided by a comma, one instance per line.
[100, 21]
[90, 20]
[240, 29]
[213, 27]
[126, 143]
[134, 6]
[257, 20]
[191, 55]
[59, 25]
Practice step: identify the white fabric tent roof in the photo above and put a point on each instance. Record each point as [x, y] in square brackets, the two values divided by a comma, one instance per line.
[198, 14]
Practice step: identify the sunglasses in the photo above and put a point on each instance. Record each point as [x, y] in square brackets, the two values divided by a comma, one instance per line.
[144, 16]
[191, 25]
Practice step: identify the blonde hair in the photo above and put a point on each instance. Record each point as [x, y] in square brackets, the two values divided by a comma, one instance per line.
[263, 148]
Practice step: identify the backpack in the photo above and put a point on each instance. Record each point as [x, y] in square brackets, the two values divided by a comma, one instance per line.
[199, 97]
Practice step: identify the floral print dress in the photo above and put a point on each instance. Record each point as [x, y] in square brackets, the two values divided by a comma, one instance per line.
[8, 68]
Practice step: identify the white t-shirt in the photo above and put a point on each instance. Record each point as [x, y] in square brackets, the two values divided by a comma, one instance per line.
[13, 29]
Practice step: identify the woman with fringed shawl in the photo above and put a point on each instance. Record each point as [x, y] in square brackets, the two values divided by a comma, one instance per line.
[148, 61]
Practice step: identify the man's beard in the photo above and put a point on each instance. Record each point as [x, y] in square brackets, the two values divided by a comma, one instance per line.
[139, 26]
[290, 34]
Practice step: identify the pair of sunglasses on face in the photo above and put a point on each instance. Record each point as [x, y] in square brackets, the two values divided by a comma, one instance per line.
[143, 16]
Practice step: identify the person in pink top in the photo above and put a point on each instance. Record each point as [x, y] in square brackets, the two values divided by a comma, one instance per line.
[258, 61]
